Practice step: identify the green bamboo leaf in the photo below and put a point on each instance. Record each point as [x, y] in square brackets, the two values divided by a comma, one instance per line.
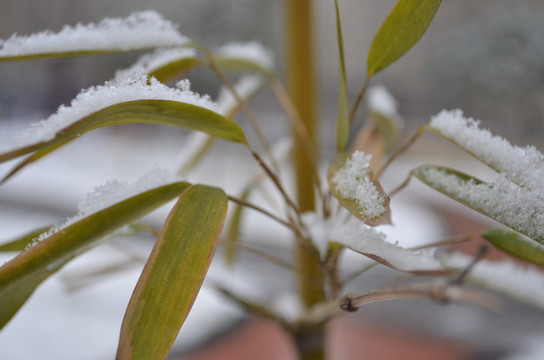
[173, 274]
[482, 197]
[351, 204]
[232, 233]
[21, 242]
[163, 112]
[20, 276]
[516, 245]
[402, 29]
[174, 69]
[342, 122]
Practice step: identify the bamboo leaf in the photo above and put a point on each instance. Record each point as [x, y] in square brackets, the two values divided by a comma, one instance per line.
[232, 233]
[173, 274]
[488, 199]
[163, 112]
[351, 203]
[20, 243]
[402, 29]
[516, 245]
[342, 122]
[174, 69]
[20, 276]
[139, 31]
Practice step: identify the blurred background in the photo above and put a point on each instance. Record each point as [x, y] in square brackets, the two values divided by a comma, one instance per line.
[485, 57]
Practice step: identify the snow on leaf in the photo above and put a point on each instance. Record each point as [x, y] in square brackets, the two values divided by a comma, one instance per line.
[515, 206]
[363, 239]
[140, 30]
[523, 284]
[110, 193]
[351, 181]
[522, 165]
[139, 87]
[159, 59]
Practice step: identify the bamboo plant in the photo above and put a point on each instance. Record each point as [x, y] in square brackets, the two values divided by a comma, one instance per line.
[345, 205]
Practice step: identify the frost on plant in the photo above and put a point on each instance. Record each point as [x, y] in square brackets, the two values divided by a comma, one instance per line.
[352, 181]
[110, 193]
[139, 87]
[515, 197]
[522, 165]
[364, 239]
[146, 29]
[518, 207]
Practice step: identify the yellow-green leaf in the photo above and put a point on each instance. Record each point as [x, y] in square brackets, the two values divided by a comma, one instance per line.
[342, 121]
[20, 243]
[403, 27]
[485, 198]
[173, 274]
[20, 276]
[162, 112]
[232, 233]
[516, 245]
[174, 69]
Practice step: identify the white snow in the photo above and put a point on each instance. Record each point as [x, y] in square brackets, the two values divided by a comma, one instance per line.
[353, 182]
[157, 59]
[139, 87]
[111, 193]
[522, 165]
[381, 101]
[140, 30]
[248, 51]
[524, 284]
[245, 87]
[515, 206]
[361, 238]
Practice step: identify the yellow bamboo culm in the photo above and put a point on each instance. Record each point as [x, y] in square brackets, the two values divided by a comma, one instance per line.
[300, 72]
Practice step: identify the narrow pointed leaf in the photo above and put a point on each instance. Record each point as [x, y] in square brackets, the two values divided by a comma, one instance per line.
[139, 31]
[342, 122]
[232, 233]
[20, 243]
[516, 245]
[402, 29]
[160, 112]
[174, 69]
[173, 274]
[20, 276]
[365, 178]
[496, 201]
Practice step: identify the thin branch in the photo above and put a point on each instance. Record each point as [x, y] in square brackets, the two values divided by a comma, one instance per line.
[299, 127]
[274, 259]
[440, 291]
[400, 151]
[245, 203]
[484, 249]
[358, 100]
[276, 181]
[224, 79]
[401, 186]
